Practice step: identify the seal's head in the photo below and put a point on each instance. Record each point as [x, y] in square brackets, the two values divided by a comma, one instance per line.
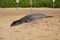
[18, 22]
[15, 23]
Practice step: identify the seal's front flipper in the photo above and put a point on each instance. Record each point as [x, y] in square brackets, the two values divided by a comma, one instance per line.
[27, 20]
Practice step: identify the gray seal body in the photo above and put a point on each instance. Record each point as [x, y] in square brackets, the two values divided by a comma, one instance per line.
[29, 18]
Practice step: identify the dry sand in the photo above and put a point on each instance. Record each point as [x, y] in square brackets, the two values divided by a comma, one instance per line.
[40, 29]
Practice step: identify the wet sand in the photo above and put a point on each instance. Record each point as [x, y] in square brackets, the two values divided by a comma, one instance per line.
[40, 29]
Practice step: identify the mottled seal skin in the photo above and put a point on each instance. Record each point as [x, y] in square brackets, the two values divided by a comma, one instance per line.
[29, 18]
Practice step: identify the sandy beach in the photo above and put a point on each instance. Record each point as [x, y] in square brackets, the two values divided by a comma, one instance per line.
[40, 29]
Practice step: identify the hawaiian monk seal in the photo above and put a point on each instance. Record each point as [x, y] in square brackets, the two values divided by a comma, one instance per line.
[29, 18]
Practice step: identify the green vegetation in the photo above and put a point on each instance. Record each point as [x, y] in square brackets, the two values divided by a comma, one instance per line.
[26, 3]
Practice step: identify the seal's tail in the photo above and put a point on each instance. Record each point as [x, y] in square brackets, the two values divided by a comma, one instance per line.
[49, 16]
